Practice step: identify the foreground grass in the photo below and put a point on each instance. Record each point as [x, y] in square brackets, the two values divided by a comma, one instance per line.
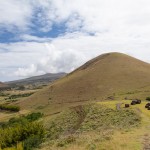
[97, 127]
[25, 129]
[87, 127]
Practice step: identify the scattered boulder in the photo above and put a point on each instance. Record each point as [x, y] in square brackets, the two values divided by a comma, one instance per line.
[127, 105]
[133, 103]
[147, 105]
[138, 101]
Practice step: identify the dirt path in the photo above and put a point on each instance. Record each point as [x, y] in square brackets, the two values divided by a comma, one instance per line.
[81, 116]
[146, 142]
[146, 135]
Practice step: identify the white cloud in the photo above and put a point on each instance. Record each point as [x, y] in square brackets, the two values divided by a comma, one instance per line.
[25, 72]
[29, 38]
[15, 14]
[115, 16]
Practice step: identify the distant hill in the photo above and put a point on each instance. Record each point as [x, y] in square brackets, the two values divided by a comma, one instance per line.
[102, 76]
[2, 84]
[41, 79]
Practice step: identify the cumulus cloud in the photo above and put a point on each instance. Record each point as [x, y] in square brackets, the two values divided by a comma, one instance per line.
[55, 60]
[15, 14]
[92, 28]
[122, 17]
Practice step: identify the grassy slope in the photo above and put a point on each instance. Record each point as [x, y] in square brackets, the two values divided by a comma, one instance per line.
[130, 139]
[100, 126]
[101, 129]
[102, 76]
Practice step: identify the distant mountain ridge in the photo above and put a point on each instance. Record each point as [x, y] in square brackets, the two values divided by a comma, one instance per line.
[2, 84]
[46, 78]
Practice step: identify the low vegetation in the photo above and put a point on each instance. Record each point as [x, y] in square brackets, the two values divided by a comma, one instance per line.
[9, 108]
[3, 94]
[21, 120]
[148, 98]
[23, 129]
[15, 96]
[83, 120]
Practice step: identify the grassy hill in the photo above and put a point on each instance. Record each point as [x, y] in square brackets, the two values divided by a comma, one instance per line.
[97, 79]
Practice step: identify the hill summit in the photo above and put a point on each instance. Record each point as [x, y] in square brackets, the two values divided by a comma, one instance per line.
[96, 79]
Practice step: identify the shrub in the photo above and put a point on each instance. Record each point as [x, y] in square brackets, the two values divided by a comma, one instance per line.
[14, 96]
[21, 120]
[34, 116]
[32, 142]
[12, 135]
[9, 108]
[3, 94]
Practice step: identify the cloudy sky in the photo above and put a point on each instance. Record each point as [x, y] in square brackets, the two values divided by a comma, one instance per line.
[41, 36]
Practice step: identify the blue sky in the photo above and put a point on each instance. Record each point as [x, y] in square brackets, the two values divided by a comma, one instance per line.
[40, 36]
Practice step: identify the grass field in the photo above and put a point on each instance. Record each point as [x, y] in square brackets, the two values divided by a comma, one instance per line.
[129, 139]
[116, 138]
[96, 131]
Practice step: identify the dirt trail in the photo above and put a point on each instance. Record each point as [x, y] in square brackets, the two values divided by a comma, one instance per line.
[146, 136]
[81, 116]
[146, 142]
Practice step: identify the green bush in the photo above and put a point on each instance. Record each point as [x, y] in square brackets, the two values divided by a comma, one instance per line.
[21, 120]
[32, 142]
[9, 108]
[22, 129]
[34, 116]
[14, 96]
[12, 135]
[3, 94]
